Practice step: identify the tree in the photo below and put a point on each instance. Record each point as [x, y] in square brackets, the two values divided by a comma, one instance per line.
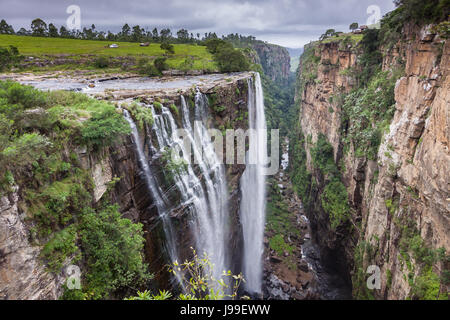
[137, 33]
[23, 32]
[9, 57]
[113, 247]
[5, 28]
[125, 31]
[354, 26]
[167, 47]
[230, 60]
[39, 27]
[52, 31]
[155, 35]
[327, 34]
[165, 34]
[63, 32]
[183, 35]
[160, 64]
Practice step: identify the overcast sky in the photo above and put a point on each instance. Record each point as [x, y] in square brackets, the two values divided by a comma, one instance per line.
[290, 23]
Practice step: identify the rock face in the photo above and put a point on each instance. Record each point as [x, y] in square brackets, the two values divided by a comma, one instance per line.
[275, 61]
[408, 181]
[23, 274]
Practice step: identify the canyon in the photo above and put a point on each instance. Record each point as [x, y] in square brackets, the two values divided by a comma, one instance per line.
[363, 183]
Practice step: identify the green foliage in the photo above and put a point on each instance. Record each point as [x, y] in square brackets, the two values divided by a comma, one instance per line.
[370, 60]
[422, 12]
[426, 287]
[141, 114]
[174, 109]
[24, 150]
[231, 60]
[147, 295]
[173, 164]
[197, 278]
[278, 244]
[301, 178]
[219, 109]
[101, 62]
[354, 26]
[112, 247]
[39, 131]
[188, 64]
[104, 127]
[226, 56]
[367, 112]
[50, 49]
[335, 202]
[61, 246]
[9, 57]
[158, 106]
[55, 206]
[145, 67]
[323, 156]
[362, 253]
[167, 47]
[309, 66]
[160, 63]
[18, 97]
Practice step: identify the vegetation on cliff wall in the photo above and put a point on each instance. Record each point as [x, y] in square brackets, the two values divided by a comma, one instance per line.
[363, 106]
[41, 136]
[328, 184]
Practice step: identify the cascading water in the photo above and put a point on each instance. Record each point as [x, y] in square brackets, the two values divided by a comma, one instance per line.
[253, 189]
[205, 198]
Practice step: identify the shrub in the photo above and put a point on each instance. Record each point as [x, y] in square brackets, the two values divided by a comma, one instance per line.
[145, 67]
[160, 64]
[170, 49]
[323, 156]
[141, 114]
[25, 149]
[113, 248]
[335, 202]
[174, 109]
[231, 60]
[59, 248]
[104, 127]
[19, 97]
[278, 244]
[9, 57]
[101, 62]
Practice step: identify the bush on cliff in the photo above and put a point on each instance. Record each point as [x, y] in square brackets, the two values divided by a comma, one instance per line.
[40, 135]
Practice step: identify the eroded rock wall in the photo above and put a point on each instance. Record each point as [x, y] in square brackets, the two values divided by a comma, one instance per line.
[116, 176]
[411, 169]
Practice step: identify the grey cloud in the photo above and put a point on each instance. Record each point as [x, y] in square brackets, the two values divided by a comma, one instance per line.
[287, 22]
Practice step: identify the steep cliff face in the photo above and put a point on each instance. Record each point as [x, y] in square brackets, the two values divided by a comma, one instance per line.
[275, 61]
[397, 184]
[117, 177]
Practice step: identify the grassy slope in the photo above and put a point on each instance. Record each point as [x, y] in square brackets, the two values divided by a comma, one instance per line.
[40, 46]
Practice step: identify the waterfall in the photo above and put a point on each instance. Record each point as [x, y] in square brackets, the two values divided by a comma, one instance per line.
[201, 186]
[158, 195]
[253, 189]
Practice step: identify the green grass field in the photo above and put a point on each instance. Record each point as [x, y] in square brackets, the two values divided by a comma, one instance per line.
[354, 37]
[43, 46]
